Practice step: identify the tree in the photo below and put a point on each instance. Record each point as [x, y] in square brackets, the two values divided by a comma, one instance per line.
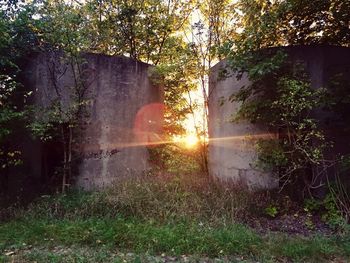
[16, 40]
[211, 27]
[136, 28]
[265, 23]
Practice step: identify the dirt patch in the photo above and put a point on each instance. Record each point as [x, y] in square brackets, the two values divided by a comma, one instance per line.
[298, 223]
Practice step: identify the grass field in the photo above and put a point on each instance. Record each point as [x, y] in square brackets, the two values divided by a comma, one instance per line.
[150, 221]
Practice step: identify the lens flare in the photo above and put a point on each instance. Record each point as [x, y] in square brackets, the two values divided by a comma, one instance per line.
[190, 140]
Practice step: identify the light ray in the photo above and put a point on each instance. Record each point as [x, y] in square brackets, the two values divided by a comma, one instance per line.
[240, 139]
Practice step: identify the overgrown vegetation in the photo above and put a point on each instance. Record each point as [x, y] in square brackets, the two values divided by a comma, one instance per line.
[11, 96]
[144, 30]
[282, 98]
[280, 95]
[160, 198]
[176, 216]
[178, 209]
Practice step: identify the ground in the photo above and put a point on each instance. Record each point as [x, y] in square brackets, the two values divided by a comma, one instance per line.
[168, 220]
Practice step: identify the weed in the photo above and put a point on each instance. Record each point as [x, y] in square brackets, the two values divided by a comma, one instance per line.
[331, 214]
[271, 211]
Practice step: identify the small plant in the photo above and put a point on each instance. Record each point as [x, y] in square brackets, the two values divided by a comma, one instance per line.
[312, 205]
[333, 215]
[308, 221]
[271, 211]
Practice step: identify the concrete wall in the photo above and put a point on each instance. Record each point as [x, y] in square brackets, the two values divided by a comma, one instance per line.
[123, 112]
[231, 149]
[232, 154]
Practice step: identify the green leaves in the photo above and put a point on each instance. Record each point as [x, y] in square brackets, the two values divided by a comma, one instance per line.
[280, 97]
[293, 22]
[271, 155]
[15, 33]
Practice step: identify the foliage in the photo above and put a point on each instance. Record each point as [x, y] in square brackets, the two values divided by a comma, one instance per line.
[271, 211]
[15, 41]
[333, 215]
[281, 97]
[271, 155]
[176, 72]
[153, 236]
[160, 198]
[174, 159]
[280, 94]
[139, 29]
[214, 28]
[337, 203]
[330, 210]
[61, 26]
[263, 24]
[211, 27]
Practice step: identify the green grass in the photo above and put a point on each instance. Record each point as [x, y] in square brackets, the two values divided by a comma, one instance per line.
[173, 239]
[131, 234]
[150, 217]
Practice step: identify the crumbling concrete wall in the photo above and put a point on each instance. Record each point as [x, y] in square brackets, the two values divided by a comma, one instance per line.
[123, 111]
[232, 153]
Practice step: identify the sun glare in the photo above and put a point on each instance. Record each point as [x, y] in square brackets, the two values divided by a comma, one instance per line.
[188, 140]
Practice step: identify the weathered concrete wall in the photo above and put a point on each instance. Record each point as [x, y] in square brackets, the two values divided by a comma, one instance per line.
[123, 112]
[231, 149]
[232, 154]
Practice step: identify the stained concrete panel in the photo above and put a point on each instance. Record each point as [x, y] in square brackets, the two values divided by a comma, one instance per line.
[232, 153]
[116, 89]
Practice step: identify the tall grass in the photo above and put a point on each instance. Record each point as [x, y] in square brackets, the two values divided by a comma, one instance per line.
[160, 198]
[180, 197]
[187, 214]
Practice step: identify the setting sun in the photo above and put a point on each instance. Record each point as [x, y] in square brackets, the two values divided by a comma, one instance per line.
[189, 140]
